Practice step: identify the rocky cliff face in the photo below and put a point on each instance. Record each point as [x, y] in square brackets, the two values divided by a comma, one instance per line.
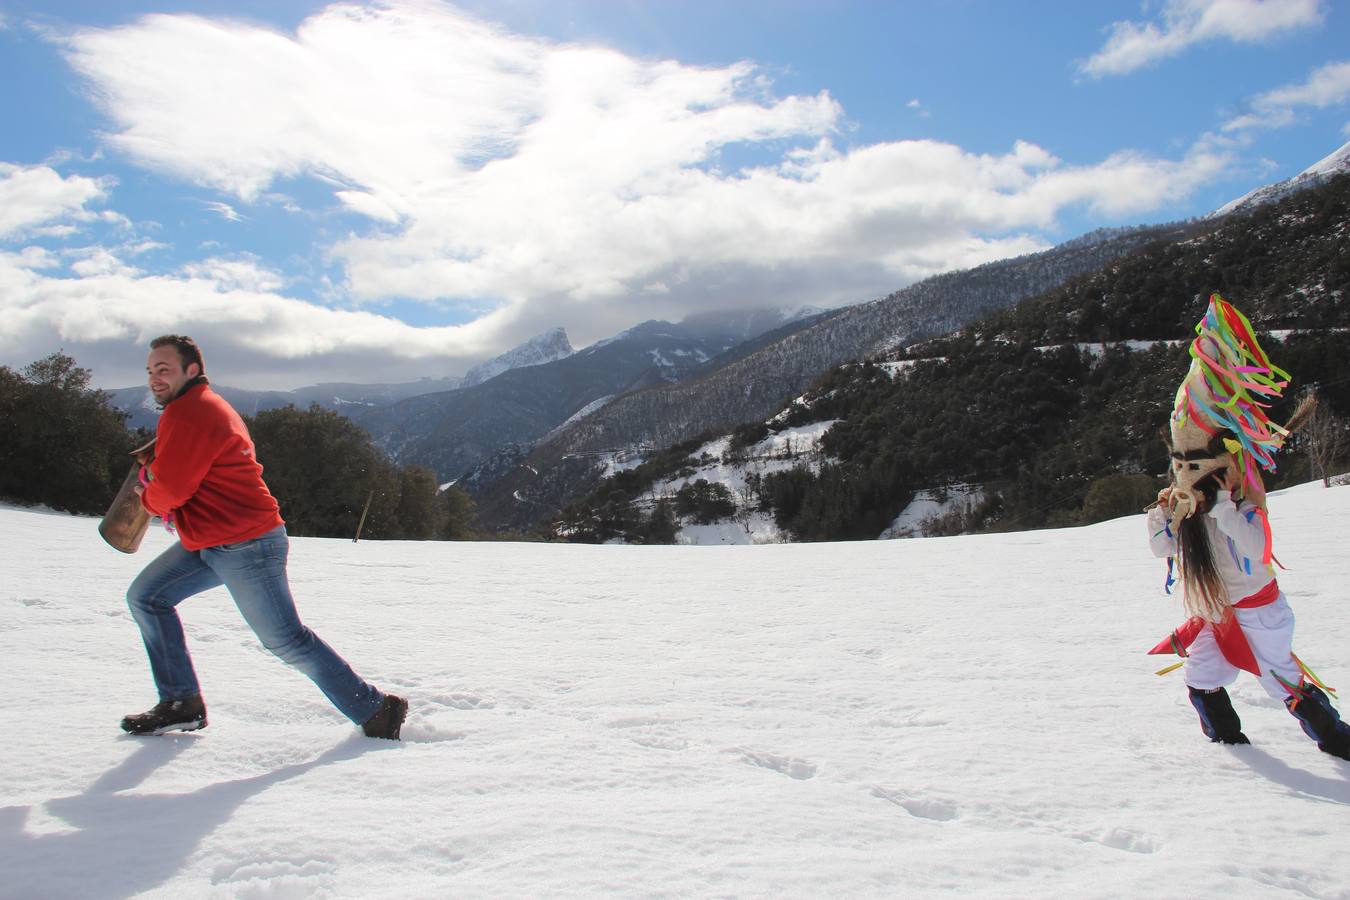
[544, 348]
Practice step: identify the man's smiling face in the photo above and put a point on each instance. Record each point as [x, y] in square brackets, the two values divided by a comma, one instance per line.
[166, 374]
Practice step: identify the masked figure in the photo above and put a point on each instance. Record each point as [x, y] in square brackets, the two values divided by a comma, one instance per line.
[1212, 521]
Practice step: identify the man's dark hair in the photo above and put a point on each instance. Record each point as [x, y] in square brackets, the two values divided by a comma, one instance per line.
[188, 351]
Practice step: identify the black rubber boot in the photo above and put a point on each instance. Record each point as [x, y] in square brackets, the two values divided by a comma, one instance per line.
[1218, 720]
[1320, 720]
[186, 714]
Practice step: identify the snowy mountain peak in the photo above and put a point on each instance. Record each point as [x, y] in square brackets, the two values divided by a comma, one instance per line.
[1335, 164]
[1338, 163]
[543, 348]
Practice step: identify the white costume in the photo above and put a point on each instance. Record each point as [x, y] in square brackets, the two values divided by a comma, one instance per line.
[1237, 539]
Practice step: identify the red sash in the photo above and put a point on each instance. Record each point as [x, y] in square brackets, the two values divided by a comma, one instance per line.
[1227, 632]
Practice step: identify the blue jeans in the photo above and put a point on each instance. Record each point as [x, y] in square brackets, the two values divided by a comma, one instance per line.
[254, 572]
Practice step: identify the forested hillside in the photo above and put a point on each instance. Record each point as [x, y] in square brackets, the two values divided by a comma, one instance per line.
[1054, 407]
[452, 432]
[568, 465]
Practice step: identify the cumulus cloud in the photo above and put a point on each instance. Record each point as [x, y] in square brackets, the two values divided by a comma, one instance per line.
[106, 312]
[1326, 87]
[244, 273]
[33, 197]
[1134, 45]
[94, 261]
[528, 183]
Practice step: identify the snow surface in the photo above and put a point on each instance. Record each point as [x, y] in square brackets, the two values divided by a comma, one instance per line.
[968, 716]
[1335, 162]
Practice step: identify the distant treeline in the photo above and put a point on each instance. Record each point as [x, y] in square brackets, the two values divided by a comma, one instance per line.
[63, 445]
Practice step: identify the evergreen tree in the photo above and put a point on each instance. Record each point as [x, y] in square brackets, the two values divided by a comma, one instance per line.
[62, 443]
[459, 512]
[1113, 496]
[323, 470]
[704, 501]
[662, 527]
[419, 515]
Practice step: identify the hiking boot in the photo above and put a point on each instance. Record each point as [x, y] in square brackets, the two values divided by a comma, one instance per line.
[388, 719]
[187, 714]
[1218, 720]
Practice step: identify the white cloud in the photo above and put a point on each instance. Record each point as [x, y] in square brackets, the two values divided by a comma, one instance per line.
[369, 205]
[244, 273]
[94, 261]
[1134, 45]
[144, 246]
[36, 258]
[224, 210]
[34, 197]
[1326, 87]
[109, 311]
[530, 183]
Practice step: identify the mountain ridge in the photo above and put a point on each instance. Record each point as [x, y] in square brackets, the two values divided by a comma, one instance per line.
[548, 347]
[1042, 414]
[559, 471]
[1335, 163]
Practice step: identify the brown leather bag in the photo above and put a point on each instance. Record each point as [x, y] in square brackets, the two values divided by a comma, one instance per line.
[126, 521]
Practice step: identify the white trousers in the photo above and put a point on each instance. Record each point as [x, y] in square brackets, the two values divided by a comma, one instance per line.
[1270, 632]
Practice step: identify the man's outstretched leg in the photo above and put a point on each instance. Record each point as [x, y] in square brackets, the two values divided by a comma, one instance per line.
[153, 598]
[255, 574]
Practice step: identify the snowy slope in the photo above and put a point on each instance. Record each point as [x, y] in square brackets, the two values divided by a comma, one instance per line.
[783, 450]
[964, 716]
[1336, 163]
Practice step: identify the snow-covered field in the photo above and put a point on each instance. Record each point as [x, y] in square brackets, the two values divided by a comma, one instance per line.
[963, 716]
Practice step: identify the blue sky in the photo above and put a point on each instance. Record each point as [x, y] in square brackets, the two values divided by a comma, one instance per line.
[379, 191]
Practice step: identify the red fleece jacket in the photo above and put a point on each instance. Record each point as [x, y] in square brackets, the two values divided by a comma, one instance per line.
[204, 473]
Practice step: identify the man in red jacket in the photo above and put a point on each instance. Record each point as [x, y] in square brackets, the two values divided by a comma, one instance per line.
[206, 484]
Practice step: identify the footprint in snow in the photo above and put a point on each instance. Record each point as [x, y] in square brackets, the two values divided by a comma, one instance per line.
[1120, 839]
[634, 722]
[459, 700]
[276, 877]
[649, 732]
[919, 807]
[790, 766]
[428, 733]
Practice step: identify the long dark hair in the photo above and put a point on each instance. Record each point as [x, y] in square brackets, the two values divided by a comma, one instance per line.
[1206, 595]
